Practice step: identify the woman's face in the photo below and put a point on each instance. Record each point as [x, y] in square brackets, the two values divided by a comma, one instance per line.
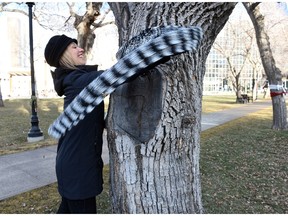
[77, 54]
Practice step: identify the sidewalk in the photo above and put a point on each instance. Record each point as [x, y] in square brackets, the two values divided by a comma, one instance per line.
[28, 170]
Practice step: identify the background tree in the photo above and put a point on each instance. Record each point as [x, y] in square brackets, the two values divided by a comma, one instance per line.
[257, 79]
[273, 73]
[231, 50]
[84, 17]
[63, 17]
[154, 122]
[276, 19]
[1, 99]
[87, 24]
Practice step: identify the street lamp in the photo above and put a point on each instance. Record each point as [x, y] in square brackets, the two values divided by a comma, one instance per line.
[35, 134]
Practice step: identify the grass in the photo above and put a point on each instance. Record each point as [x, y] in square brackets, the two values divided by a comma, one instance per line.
[243, 165]
[217, 103]
[16, 122]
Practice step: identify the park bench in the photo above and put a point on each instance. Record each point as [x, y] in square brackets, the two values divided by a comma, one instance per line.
[245, 98]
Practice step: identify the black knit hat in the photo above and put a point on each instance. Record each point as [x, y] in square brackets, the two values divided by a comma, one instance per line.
[56, 47]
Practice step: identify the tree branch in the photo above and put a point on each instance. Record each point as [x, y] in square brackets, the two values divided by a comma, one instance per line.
[3, 9]
[251, 6]
[98, 25]
[101, 19]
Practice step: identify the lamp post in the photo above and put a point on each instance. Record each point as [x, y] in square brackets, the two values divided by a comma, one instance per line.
[35, 134]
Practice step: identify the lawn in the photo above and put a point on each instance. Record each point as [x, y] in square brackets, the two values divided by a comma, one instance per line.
[16, 122]
[213, 103]
[244, 168]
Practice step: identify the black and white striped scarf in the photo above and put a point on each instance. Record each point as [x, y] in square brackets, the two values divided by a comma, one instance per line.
[143, 50]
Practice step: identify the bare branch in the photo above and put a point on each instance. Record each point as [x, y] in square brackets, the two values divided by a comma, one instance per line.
[278, 23]
[99, 25]
[101, 19]
[70, 6]
[3, 9]
[2, 5]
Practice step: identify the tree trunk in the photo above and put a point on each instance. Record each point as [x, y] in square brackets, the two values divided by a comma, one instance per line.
[154, 122]
[1, 99]
[83, 25]
[254, 88]
[269, 65]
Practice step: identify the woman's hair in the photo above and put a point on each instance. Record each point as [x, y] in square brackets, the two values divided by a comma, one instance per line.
[66, 61]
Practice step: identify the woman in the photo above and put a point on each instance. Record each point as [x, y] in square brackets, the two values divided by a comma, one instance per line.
[78, 162]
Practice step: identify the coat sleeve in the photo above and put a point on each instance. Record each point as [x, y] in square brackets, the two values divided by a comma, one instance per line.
[170, 42]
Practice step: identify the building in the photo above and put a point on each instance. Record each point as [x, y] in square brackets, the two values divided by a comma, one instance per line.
[234, 52]
[15, 70]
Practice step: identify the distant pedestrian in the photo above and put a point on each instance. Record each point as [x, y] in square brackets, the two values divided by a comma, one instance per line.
[79, 164]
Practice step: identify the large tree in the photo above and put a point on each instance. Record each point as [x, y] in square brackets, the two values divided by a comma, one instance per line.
[272, 71]
[154, 122]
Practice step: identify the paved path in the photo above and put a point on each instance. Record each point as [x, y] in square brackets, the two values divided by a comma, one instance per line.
[217, 118]
[28, 170]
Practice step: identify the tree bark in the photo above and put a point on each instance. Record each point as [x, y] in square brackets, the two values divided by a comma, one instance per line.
[269, 65]
[1, 99]
[83, 24]
[154, 122]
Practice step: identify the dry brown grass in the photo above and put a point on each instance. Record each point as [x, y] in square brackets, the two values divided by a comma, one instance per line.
[244, 167]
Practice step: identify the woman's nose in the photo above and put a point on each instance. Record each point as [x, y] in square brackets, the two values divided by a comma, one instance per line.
[81, 49]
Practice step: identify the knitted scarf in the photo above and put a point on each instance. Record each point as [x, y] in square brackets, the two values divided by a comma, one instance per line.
[142, 51]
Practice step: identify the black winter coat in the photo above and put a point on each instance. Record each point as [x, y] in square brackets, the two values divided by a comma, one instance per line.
[79, 164]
